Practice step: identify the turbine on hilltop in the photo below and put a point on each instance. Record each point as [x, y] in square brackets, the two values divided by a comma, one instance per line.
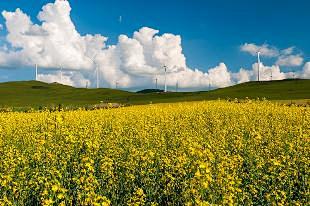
[258, 64]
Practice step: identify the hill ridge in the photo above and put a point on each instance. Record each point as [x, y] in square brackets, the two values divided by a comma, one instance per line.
[35, 93]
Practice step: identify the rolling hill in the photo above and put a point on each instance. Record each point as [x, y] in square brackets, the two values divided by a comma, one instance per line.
[36, 94]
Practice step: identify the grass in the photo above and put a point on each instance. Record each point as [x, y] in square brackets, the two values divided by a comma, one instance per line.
[36, 94]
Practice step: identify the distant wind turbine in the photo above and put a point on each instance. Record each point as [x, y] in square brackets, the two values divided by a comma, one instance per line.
[156, 82]
[258, 64]
[36, 73]
[165, 68]
[61, 74]
[96, 68]
[209, 82]
[97, 75]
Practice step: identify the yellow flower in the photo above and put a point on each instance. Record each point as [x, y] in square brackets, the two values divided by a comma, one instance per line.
[60, 196]
[55, 188]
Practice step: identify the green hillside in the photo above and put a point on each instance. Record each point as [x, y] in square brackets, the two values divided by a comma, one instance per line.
[35, 94]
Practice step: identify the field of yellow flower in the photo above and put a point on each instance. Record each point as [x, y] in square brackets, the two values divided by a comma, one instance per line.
[202, 153]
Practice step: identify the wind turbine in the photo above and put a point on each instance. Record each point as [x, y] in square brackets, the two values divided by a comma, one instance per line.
[60, 74]
[165, 68]
[156, 82]
[96, 68]
[209, 85]
[258, 64]
[36, 72]
[97, 75]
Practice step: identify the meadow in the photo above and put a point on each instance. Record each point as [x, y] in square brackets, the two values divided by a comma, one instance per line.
[199, 153]
[25, 95]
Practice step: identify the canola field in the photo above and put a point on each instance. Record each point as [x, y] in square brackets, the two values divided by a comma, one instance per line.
[201, 153]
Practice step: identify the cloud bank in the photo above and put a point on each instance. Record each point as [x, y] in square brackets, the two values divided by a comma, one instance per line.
[286, 57]
[134, 62]
[289, 58]
[265, 50]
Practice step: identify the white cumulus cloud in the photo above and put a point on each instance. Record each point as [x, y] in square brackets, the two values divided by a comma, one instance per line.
[266, 73]
[288, 51]
[306, 71]
[265, 49]
[286, 57]
[66, 78]
[133, 62]
[290, 60]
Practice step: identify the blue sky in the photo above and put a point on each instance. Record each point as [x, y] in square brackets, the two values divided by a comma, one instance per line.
[211, 31]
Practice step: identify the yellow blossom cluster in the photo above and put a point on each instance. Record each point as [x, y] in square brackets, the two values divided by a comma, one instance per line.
[201, 153]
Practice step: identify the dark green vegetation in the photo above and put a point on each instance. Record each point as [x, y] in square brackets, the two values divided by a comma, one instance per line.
[39, 94]
[147, 91]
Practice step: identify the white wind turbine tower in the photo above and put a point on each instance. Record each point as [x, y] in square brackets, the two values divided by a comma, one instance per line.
[156, 80]
[36, 66]
[258, 64]
[209, 85]
[97, 75]
[165, 68]
[96, 68]
[61, 74]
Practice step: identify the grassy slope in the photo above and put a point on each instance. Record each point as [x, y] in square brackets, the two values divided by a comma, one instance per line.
[32, 93]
